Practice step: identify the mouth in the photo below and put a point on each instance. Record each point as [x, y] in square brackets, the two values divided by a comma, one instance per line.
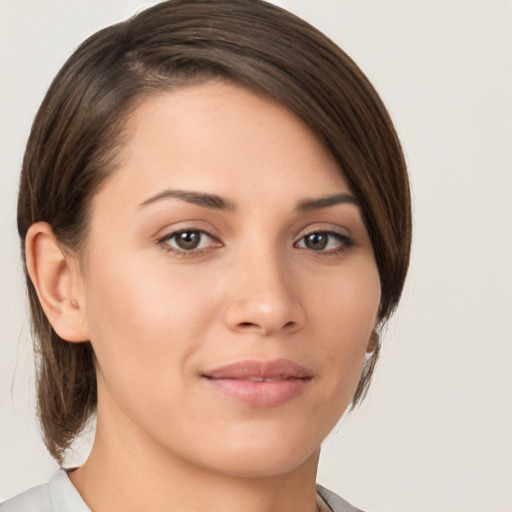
[260, 384]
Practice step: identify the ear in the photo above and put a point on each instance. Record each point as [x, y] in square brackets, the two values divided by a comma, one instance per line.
[58, 282]
[373, 341]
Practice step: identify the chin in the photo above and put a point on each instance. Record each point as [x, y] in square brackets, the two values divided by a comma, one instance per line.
[260, 453]
[263, 463]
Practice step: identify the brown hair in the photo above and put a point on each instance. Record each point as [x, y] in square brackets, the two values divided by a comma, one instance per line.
[72, 146]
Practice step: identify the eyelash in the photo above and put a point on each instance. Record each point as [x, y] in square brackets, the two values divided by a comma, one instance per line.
[163, 242]
[344, 241]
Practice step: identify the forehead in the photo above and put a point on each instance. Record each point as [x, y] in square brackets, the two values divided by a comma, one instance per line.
[222, 138]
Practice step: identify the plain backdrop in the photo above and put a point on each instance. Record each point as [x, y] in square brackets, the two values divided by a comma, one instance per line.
[436, 431]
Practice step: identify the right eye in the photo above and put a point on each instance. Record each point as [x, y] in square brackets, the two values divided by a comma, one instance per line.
[187, 241]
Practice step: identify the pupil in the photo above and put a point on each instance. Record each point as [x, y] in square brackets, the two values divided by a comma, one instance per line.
[316, 241]
[188, 239]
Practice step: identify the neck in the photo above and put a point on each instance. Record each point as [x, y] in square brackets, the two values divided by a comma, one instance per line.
[126, 472]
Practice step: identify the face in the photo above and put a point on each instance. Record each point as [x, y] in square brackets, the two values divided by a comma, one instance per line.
[230, 288]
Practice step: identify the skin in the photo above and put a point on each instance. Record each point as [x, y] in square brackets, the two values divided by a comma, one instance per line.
[158, 317]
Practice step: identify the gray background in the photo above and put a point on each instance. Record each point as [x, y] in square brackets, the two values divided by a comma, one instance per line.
[435, 433]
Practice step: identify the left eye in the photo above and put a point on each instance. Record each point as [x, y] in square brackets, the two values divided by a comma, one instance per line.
[323, 241]
[188, 240]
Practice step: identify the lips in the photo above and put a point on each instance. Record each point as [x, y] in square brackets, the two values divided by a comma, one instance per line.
[260, 383]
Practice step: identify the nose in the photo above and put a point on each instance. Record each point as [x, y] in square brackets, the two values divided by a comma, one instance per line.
[264, 298]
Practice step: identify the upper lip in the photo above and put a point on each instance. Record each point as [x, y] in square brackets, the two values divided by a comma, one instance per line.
[250, 369]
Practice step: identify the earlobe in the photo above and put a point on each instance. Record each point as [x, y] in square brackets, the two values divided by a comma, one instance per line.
[56, 278]
[372, 342]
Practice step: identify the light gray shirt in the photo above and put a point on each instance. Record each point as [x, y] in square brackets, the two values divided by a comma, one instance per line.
[59, 495]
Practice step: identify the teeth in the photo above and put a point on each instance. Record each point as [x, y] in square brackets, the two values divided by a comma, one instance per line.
[263, 379]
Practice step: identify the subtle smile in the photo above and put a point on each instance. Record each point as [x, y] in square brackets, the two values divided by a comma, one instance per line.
[260, 383]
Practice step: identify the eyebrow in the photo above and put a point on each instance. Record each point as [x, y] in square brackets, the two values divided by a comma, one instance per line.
[308, 205]
[219, 203]
[197, 198]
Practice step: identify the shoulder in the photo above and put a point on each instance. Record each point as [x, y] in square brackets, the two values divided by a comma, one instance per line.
[36, 499]
[58, 495]
[335, 503]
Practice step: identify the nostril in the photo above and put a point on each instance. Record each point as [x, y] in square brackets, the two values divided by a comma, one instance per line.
[246, 324]
[251, 325]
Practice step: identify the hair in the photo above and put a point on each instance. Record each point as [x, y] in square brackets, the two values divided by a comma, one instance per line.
[78, 131]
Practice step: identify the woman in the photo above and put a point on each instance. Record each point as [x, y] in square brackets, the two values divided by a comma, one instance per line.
[215, 216]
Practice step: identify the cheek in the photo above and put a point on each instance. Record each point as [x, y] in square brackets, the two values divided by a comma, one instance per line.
[346, 304]
[145, 323]
[345, 315]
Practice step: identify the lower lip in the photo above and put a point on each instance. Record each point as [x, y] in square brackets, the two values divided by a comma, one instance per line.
[262, 393]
